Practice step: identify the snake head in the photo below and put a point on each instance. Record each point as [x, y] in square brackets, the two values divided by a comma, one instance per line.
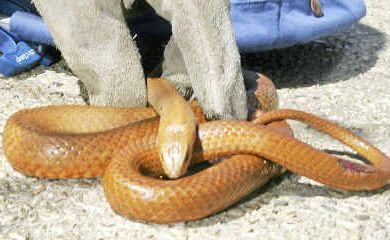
[175, 143]
[316, 8]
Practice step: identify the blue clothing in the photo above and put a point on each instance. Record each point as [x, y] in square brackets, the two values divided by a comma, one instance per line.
[268, 24]
[258, 24]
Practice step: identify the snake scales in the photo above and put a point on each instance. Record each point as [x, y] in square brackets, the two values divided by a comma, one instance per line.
[120, 145]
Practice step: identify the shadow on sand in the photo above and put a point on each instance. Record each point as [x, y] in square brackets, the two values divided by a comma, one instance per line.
[331, 59]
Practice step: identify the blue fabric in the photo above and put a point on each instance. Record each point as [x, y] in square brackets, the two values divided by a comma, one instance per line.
[31, 28]
[150, 24]
[16, 56]
[268, 24]
[258, 24]
[7, 7]
[22, 43]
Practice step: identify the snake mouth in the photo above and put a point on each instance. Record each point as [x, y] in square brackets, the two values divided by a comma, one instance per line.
[174, 159]
[355, 167]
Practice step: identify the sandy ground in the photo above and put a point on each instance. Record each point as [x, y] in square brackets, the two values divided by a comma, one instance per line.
[345, 78]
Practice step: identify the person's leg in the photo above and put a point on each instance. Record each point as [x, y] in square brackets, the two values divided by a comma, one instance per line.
[204, 37]
[175, 70]
[96, 44]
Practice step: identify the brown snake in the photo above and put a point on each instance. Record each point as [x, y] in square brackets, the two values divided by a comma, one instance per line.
[177, 127]
[120, 145]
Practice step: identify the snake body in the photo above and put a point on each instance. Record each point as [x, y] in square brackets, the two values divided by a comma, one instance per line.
[121, 146]
[177, 127]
